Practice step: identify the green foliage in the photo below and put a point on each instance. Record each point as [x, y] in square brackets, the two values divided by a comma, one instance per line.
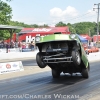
[4, 34]
[9, 0]
[5, 17]
[43, 25]
[16, 23]
[34, 25]
[71, 28]
[5, 13]
[84, 27]
[81, 27]
[60, 24]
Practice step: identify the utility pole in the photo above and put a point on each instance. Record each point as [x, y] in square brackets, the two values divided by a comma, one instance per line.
[97, 18]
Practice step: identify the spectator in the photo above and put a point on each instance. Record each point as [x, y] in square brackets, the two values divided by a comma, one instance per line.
[16, 44]
[20, 46]
[32, 46]
[23, 46]
[7, 46]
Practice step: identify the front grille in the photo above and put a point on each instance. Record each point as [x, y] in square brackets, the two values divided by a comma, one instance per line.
[59, 45]
[54, 46]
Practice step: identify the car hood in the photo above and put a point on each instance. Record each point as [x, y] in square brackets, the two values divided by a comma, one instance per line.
[56, 37]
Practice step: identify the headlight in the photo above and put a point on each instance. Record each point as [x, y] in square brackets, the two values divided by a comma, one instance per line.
[37, 38]
[72, 36]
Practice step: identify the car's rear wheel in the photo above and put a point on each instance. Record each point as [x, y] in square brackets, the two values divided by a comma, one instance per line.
[85, 72]
[39, 60]
[55, 73]
[76, 57]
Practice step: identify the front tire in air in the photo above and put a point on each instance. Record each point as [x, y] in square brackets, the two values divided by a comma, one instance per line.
[39, 60]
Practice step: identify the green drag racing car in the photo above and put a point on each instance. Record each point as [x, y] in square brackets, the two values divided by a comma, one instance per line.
[62, 53]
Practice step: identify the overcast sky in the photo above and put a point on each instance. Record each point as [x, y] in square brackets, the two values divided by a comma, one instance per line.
[52, 11]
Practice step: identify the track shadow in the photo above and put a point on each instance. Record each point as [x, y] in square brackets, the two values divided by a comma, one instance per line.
[68, 79]
[63, 79]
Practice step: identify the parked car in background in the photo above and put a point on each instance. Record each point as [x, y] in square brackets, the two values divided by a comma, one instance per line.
[90, 49]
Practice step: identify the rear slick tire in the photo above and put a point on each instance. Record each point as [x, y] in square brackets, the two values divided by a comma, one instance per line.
[85, 73]
[55, 73]
[39, 60]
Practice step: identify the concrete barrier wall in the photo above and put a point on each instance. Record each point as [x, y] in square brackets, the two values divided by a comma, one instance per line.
[94, 56]
[9, 50]
[15, 55]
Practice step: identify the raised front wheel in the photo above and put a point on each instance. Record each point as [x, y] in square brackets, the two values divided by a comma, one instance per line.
[39, 60]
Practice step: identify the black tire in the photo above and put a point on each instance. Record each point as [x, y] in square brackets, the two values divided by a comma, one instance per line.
[88, 67]
[76, 58]
[85, 71]
[55, 73]
[39, 60]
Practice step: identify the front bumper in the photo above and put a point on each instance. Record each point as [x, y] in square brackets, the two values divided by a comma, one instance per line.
[57, 58]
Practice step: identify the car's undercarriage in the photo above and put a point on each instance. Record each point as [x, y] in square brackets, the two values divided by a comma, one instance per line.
[60, 56]
[57, 52]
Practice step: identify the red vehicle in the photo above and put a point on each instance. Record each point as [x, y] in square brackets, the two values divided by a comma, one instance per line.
[90, 49]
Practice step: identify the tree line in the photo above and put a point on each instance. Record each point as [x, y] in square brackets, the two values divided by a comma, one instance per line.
[89, 28]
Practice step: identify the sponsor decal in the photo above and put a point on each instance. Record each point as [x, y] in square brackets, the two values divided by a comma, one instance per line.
[14, 65]
[11, 67]
[29, 39]
[8, 66]
[0, 66]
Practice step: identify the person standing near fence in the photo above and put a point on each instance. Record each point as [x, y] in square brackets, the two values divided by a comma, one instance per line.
[20, 46]
[32, 46]
[7, 46]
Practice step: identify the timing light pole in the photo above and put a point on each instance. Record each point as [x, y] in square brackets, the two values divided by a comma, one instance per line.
[97, 19]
